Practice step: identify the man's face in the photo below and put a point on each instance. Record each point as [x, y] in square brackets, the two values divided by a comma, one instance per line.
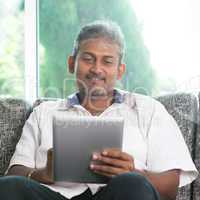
[97, 66]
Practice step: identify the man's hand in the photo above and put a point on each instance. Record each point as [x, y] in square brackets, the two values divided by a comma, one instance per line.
[111, 162]
[45, 175]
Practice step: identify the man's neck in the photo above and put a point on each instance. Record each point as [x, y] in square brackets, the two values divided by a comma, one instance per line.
[96, 105]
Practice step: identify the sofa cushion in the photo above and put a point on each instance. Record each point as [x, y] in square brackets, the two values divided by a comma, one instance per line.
[196, 186]
[183, 107]
[13, 113]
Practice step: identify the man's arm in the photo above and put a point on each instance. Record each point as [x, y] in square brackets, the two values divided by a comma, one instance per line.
[114, 162]
[166, 182]
[43, 175]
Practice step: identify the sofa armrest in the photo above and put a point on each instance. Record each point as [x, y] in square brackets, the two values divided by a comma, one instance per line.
[196, 184]
[183, 107]
[13, 114]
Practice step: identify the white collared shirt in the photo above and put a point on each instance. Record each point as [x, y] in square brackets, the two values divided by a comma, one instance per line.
[151, 136]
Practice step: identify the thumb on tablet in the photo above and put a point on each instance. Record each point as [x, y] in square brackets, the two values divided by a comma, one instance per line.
[50, 163]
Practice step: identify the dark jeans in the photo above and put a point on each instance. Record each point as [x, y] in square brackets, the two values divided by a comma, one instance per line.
[129, 186]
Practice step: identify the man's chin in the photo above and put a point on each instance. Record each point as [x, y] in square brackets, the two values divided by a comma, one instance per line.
[98, 93]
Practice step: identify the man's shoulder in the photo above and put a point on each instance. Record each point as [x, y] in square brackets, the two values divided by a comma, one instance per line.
[50, 105]
[138, 100]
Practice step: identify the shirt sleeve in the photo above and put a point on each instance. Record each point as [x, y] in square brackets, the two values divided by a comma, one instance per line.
[167, 149]
[25, 151]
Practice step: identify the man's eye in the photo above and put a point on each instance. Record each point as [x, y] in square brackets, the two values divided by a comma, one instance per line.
[108, 61]
[88, 59]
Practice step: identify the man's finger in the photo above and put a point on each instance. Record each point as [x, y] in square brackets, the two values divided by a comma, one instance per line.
[115, 162]
[107, 169]
[104, 174]
[116, 153]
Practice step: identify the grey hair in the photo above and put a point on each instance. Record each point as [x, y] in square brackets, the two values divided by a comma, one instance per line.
[101, 29]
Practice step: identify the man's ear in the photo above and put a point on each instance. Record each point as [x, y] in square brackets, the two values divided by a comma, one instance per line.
[71, 64]
[121, 71]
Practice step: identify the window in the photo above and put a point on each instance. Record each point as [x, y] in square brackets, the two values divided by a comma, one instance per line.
[162, 40]
[171, 32]
[12, 49]
[59, 22]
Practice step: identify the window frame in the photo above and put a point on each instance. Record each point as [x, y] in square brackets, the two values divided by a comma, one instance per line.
[31, 51]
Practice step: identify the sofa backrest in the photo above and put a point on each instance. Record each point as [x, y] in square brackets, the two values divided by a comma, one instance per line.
[13, 113]
[183, 107]
[196, 185]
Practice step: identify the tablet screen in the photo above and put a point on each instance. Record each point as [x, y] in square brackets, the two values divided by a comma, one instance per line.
[74, 141]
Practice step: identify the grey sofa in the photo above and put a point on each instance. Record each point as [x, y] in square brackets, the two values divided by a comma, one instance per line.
[183, 107]
[196, 184]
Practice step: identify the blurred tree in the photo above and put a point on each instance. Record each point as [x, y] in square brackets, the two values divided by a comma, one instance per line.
[11, 50]
[59, 22]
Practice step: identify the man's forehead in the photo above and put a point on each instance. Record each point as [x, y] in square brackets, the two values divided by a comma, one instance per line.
[99, 44]
[102, 40]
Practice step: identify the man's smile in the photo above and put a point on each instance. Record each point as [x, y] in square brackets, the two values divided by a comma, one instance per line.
[95, 79]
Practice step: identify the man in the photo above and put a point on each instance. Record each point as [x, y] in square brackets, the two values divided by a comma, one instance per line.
[146, 169]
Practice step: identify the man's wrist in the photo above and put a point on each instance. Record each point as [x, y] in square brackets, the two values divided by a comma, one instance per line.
[30, 173]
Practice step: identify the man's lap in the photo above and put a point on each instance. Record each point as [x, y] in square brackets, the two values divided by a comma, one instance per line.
[124, 186]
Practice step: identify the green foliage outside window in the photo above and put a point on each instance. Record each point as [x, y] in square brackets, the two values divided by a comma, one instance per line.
[11, 49]
[59, 22]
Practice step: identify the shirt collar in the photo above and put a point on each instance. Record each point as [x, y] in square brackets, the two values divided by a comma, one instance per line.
[73, 98]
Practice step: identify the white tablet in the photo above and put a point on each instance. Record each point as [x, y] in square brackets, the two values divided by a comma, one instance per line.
[74, 141]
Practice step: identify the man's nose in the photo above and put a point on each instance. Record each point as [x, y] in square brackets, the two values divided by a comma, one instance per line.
[97, 67]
